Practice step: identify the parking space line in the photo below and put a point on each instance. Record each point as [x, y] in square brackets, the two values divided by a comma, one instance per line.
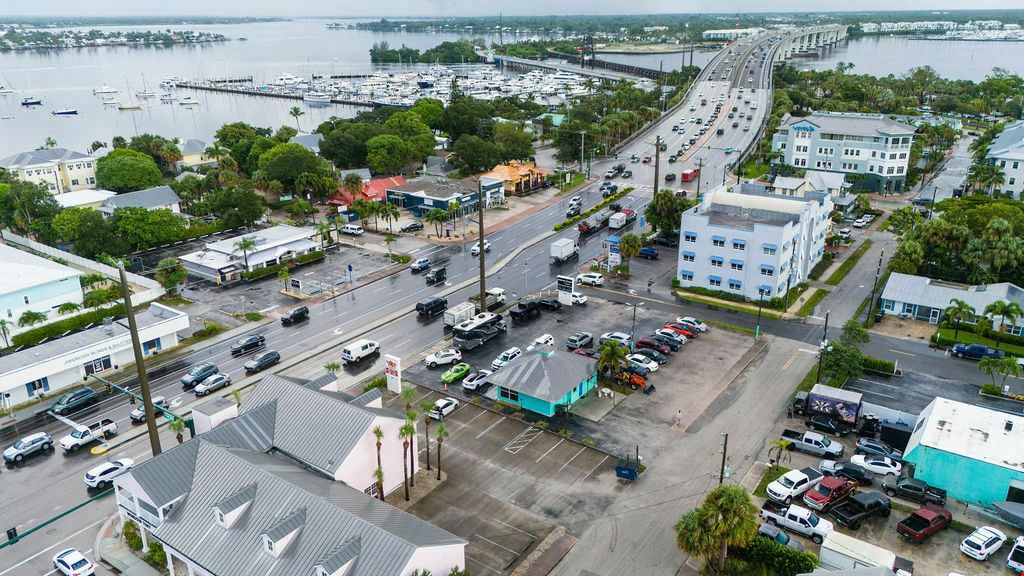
[861, 390]
[595, 468]
[522, 439]
[491, 427]
[560, 440]
[571, 459]
[475, 561]
[512, 527]
[496, 544]
[880, 383]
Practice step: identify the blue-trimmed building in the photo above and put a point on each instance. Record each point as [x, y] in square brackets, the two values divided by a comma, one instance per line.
[540, 380]
[421, 195]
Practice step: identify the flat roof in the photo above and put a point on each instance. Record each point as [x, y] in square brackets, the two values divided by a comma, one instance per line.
[855, 124]
[972, 431]
[23, 270]
[82, 197]
[265, 239]
[435, 188]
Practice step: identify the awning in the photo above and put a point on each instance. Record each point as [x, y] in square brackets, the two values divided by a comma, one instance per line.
[734, 261]
[770, 246]
[686, 273]
[689, 233]
[719, 238]
[717, 259]
[690, 254]
[768, 267]
[715, 278]
[765, 288]
[740, 242]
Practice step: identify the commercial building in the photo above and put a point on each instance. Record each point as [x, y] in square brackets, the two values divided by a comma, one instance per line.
[542, 380]
[730, 34]
[279, 488]
[926, 299]
[56, 364]
[223, 262]
[158, 198]
[421, 195]
[519, 177]
[375, 190]
[1007, 152]
[972, 452]
[752, 242]
[59, 169]
[88, 198]
[36, 284]
[871, 149]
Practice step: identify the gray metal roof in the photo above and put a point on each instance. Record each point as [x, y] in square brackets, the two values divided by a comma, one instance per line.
[337, 558]
[193, 146]
[363, 173]
[150, 198]
[335, 515]
[924, 291]
[286, 525]
[366, 398]
[1009, 144]
[168, 476]
[44, 156]
[309, 141]
[851, 123]
[234, 501]
[545, 374]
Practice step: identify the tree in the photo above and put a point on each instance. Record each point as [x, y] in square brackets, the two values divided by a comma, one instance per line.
[474, 154]
[903, 220]
[959, 311]
[353, 184]
[629, 246]
[388, 241]
[611, 355]
[726, 518]
[429, 110]
[164, 152]
[841, 363]
[854, 334]
[426, 406]
[217, 152]
[284, 134]
[238, 206]
[27, 208]
[300, 208]
[285, 162]
[96, 236]
[387, 154]
[140, 228]
[437, 217]
[1007, 311]
[513, 143]
[68, 308]
[283, 275]
[5, 332]
[30, 318]
[665, 210]
[171, 273]
[177, 425]
[126, 170]
[378, 434]
[345, 146]
[296, 112]
[405, 432]
[390, 213]
[245, 244]
[465, 115]
[781, 449]
[440, 434]
[67, 223]
[908, 257]
[323, 230]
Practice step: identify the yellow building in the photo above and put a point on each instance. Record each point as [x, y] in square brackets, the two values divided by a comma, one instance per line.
[519, 177]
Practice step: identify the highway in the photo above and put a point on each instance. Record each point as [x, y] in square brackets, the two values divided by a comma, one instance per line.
[52, 483]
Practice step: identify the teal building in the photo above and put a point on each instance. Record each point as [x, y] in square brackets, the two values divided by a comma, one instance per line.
[540, 380]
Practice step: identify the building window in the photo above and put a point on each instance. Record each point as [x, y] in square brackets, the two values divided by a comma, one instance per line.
[268, 544]
[98, 365]
[716, 242]
[873, 153]
[1015, 164]
[769, 250]
[689, 237]
[1002, 163]
[716, 282]
[74, 182]
[686, 276]
[737, 265]
[716, 261]
[36, 386]
[767, 272]
[1012, 181]
[741, 245]
[90, 180]
[889, 170]
[899, 169]
[151, 346]
[735, 285]
[510, 395]
[220, 516]
[688, 256]
[371, 490]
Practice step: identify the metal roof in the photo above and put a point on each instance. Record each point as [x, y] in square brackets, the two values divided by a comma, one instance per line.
[234, 501]
[1009, 144]
[286, 525]
[874, 125]
[970, 431]
[545, 374]
[344, 554]
[150, 199]
[45, 156]
[23, 270]
[193, 146]
[923, 291]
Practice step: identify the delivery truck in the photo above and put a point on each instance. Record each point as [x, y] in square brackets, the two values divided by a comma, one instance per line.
[564, 249]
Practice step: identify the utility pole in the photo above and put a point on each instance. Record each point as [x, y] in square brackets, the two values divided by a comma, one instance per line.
[821, 347]
[480, 217]
[700, 165]
[657, 162]
[583, 147]
[757, 329]
[874, 286]
[931, 208]
[725, 448]
[140, 364]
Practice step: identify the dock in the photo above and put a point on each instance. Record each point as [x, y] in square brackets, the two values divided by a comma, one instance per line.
[234, 86]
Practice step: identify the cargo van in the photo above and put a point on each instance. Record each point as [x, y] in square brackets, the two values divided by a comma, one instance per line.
[431, 306]
[359, 350]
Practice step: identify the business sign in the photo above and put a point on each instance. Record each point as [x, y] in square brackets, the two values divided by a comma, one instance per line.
[804, 128]
[614, 259]
[566, 286]
[393, 372]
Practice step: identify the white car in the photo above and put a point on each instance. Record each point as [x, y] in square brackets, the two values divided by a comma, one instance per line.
[542, 340]
[860, 223]
[215, 382]
[352, 230]
[591, 279]
[671, 334]
[619, 337]
[475, 379]
[882, 465]
[643, 362]
[71, 562]
[982, 543]
[506, 357]
[101, 476]
[845, 233]
[446, 356]
[475, 250]
[443, 407]
[692, 322]
[578, 298]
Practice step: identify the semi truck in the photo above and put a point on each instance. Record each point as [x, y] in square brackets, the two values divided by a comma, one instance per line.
[594, 223]
[459, 313]
[494, 298]
[564, 249]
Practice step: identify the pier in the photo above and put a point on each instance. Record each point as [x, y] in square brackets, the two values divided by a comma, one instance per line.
[228, 88]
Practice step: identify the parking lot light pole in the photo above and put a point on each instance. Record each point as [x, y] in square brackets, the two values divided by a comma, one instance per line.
[725, 449]
[874, 287]
[757, 329]
[632, 331]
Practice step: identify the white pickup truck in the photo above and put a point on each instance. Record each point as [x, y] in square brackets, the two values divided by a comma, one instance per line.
[813, 443]
[797, 519]
[85, 435]
[793, 484]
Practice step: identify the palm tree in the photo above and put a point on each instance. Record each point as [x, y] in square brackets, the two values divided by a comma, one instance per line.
[1008, 312]
[991, 366]
[378, 478]
[236, 395]
[68, 308]
[5, 332]
[410, 418]
[332, 367]
[388, 241]
[780, 448]
[379, 435]
[1009, 366]
[611, 354]
[296, 112]
[407, 394]
[246, 244]
[726, 518]
[178, 427]
[404, 433]
[389, 212]
[353, 184]
[426, 406]
[629, 246]
[31, 318]
[284, 275]
[216, 152]
[323, 229]
[437, 217]
[959, 311]
[441, 434]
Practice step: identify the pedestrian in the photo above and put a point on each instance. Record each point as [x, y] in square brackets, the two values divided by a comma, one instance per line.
[789, 411]
[679, 417]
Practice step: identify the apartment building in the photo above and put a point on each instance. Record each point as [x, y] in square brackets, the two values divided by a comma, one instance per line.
[872, 150]
[59, 169]
[1007, 152]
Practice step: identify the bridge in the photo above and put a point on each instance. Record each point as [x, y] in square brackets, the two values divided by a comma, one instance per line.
[598, 69]
[808, 41]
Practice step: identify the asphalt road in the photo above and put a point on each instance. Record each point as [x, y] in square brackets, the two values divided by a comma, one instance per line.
[953, 173]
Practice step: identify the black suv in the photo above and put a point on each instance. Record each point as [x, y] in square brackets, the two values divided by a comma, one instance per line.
[412, 226]
[550, 303]
[431, 306]
[525, 310]
[666, 241]
[262, 361]
[436, 276]
[248, 344]
[74, 400]
[300, 314]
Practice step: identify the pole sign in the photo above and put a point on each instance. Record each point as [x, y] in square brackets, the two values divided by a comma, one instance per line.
[566, 286]
[393, 371]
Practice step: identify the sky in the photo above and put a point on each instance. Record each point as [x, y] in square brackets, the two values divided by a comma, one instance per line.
[353, 8]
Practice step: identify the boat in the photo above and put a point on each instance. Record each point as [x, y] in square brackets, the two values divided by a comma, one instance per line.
[188, 101]
[1011, 512]
[145, 94]
[287, 80]
[6, 90]
[109, 101]
[65, 112]
[30, 101]
[317, 98]
[242, 38]
[104, 89]
[168, 97]
[129, 105]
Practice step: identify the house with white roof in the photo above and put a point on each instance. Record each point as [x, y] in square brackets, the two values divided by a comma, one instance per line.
[926, 299]
[222, 261]
[1007, 152]
[88, 198]
[157, 198]
[59, 169]
[33, 283]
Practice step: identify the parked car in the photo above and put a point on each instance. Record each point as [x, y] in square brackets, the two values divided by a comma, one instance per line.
[197, 374]
[38, 443]
[211, 384]
[475, 250]
[474, 380]
[652, 344]
[1015, 559]
[413, 226]
[446, 356]
[648, 252]
[591, 279]
[620, 337]
[652, 354]
[828, 424]
[74, 401]
[643, 362]
[873, 447]
[71, 562]
[797, 519]
[102, 475]
[793, 484]
[860, 223]
[860, 507]
[138, 415]
[352, 230]
[976, 351]
[924, 522]
[455, 373]
[666, 341]
[666, 241]
[914, 489]
[579, 340]
[542, 340]
[294, 316]
[671, 334]
[443, 408]
[847, 470]
[696, 323]
[578, 298]
[880, 465]
[262, 361]
[828, 492]
[550, 303]
[779, 535]
[420, 265]
[983, 542]
[525, 310]
[248, 344]
[680, 329]
[845, 233]
[506, 357]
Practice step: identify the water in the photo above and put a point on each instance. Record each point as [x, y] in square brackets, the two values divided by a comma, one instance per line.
[66, 78]
[666, 62]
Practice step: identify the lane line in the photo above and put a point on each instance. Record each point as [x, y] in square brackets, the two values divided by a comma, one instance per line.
[499, 521]
[595, 468]
[51, 547]
[496, 544]
[489, 428]
[901, 352]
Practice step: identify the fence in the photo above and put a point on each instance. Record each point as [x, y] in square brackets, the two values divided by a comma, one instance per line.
[153, 289]
[889, 415]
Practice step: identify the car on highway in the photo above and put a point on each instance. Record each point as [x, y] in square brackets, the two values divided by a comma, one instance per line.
[880, 465]
[475, 250]
[475, 380]
[611, 174]
[735, 124]
[413, 226]
[506, 357]
[436, 276]
[294, 316]
[746, 128]
[38, 443]
[352, 230]
[197, 374]
[579, 340]
[627, 174]
[262, 361]
[138, 415]
[456, 372]
[672, 159]
[211, 384]
[648, 252]
[100, 476]
[647, 159]
[643, 362]
[670, 177]
[443, 407]
[983, 542]
[573, 211]
[71, 562]
[248, 344]
[420, 265]
[442, 357]
[591, 279]
[74, 400]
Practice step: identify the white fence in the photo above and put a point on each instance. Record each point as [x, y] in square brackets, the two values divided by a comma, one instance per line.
[153, 289]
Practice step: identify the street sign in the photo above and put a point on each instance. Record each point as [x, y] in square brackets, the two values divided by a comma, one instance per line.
[295, 284]
[614, 259]
[393, 372]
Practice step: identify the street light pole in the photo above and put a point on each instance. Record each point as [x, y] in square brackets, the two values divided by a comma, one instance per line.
[757, 329]
[480, 240]
[874, 286]
[725, 449]
[931, 208]
[821, 348]
[583, 147]
[632, 331]
[657, 161]
[140, 364]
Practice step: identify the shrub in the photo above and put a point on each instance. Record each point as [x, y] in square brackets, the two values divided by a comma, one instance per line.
[55, 329]
[212, 329]
[253, 316]
[130, 533]
[156, 555]
[877, 365]
[992, 389]
[826, 260]
[782, 560]
[378, 382]
[401, 258]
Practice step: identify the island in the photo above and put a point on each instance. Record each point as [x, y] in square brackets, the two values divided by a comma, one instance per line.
[14, 37]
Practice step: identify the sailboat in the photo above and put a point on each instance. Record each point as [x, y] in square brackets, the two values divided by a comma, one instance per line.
[31, 101]
[145, 92]
[65, 112]
[168, 97]
[129, 104]
[6, 90]
[188, 101]
[104, 89]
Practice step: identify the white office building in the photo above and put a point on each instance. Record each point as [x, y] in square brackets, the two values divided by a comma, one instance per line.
[871, 149]
[59, 169]
[730, 34]
[1007, 152]
[222, 261]
[751, 241]
[32, 283]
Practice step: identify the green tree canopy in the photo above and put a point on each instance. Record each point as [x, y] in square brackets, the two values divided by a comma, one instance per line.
[387, 154]
[513, 142]
[238, 206]
[96, 236]
[171, 273]
[126, 170]
[346, 145]
[727, 518]
[285, 162]
[474, 154]
[27, 208]
[429, 110]
[68, 221]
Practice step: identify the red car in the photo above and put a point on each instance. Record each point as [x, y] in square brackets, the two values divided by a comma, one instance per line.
[829, 491]
[647, 159]
[680, 329]
[924, 522]
[653, 345]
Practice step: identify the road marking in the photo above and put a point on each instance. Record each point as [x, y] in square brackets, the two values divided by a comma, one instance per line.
[52, 546]
[571, 459]
[512, 527]
[880, 383]
[808, 351]
[496, 544]
[522, 440]
[861, 390]
[788, 362]
[550, 449]
[489, 428]
[265, 310]
[901, 352]
[594, 468]
[475, 561]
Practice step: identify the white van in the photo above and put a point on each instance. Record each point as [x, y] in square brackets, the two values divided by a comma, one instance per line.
[359, 350]
[352, 229]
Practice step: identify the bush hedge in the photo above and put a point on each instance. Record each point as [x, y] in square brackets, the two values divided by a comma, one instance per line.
[156, 555]
[1003, 337]
[401, 258]
[877, 365]
[826, 260]
[991, 389]
[76, 322]
[594, 209]
[275, 268]
[775, 303]
[130, 533]
[782, 560]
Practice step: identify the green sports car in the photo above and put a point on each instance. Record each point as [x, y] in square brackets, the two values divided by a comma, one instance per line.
[456, 372]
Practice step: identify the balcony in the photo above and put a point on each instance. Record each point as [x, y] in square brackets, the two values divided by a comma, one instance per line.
[152, 521]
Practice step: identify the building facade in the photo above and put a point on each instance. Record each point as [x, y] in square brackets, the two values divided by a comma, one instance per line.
[223, 262]
[872, 150]
[193, 154]
[926, 299]
[519, 177]
[36, 284]
[1007, 152]
[542, 380]
[421, 195]
[59, 169]
[752, 242]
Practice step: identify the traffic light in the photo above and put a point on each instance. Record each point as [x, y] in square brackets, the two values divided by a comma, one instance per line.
[131, 398]
[110, 388]
[12, 534]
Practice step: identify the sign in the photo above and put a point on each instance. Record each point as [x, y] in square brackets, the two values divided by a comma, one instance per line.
[393, 372]
[450, 226]
[803, 128]
[566, 286]
[614, 259]
[295, 284]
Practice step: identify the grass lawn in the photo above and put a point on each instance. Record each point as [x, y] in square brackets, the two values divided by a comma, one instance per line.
[810, 379]
[848, 264]
[754, 170]
[770, 475]
[972, 338]
[765, 311]
[808, 306]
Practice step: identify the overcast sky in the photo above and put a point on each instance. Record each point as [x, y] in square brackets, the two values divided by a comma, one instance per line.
[352, 8]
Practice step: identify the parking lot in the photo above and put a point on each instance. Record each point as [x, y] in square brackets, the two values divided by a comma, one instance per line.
[914, 391]
[510, 484]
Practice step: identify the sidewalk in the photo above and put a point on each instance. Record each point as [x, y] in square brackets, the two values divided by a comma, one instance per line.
[112, 551]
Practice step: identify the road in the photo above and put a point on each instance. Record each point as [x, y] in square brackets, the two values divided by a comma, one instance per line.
[953, 173]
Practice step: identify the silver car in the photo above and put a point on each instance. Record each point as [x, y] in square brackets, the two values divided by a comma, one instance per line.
[31, 444]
